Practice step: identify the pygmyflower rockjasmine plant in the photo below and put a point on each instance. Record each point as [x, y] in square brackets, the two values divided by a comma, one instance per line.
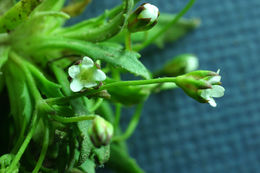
[55, 105]
[85, 75]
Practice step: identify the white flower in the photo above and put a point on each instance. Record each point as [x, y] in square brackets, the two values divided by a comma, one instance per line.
[215, 91]
[150, 11]
[85, 75]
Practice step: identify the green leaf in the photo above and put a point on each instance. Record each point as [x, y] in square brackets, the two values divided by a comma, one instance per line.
[48, 88]
[17, 14]
[3, 55]
[5, 5]
[18, 91]
[50, 5]
[88, 166]
[108, 52]
[102, 154]
[103, 32]
[120, 161]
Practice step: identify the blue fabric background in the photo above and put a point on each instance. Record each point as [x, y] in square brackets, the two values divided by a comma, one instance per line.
[176, 133]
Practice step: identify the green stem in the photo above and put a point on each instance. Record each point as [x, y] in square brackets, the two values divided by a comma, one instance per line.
[73, 119]
[43, 151]
[166, 27]
[25, 143]
[59, 100]
[97, 104]
[117, 116]
[132, 125]
[128, 43]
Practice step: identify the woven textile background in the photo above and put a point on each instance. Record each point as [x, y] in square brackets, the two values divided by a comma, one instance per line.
[176, 133]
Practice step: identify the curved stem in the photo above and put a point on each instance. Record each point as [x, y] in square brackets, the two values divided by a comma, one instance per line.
[117, 116]
[25, 143]
[132, 125]
[166, 27]
[59, 100]
[43, 151]
[97, 104]
[73, 119]
[128, 43]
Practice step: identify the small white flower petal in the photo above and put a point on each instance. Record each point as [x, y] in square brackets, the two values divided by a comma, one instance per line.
[87, 62]
[76, 85]
[150, 11]
[212, 102]
[205, 94]
[90, 84]
[74, 71]
[214, 79]
[99, 75]
[218, 71]
[217, 91]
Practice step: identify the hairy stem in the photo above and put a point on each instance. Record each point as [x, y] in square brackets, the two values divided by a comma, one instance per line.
[43, 151]
[59, 100]
[73, 119]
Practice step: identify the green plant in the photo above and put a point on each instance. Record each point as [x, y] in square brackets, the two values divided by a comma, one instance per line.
[61, 117]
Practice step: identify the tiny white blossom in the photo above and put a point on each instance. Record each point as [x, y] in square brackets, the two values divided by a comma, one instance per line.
[85, 75]
[150, 11]
[215, 91]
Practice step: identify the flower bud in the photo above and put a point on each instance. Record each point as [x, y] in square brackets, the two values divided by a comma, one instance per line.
[179, 65]
[143, 18]
[100, 132]
[202, 86]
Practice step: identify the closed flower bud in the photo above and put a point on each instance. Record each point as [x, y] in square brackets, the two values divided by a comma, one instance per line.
[202, 86]
[179, 65]
[100, 132]
[143, 18]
